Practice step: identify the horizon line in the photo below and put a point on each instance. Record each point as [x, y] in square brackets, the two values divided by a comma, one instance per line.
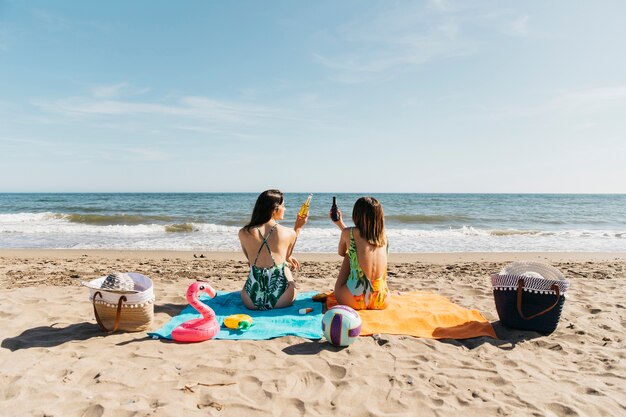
[317, 192]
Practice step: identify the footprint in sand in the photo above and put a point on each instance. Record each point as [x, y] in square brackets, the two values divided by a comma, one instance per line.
[562, 409]
[95, 410]
[337, 372]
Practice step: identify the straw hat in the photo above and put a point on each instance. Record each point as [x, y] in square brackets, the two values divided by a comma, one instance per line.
[532, 270]
[117, 282]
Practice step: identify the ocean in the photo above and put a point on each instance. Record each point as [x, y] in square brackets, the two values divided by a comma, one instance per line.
[414, 222]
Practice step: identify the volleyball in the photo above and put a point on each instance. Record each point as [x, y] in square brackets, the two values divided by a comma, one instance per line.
[341, 325]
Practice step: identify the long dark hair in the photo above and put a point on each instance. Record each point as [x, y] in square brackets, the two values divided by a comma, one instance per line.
[369, 218]
[267, 202]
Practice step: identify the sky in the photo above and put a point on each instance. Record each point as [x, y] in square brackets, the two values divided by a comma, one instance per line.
[313, 96]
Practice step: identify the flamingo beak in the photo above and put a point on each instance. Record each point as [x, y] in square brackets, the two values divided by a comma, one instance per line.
[209, 290]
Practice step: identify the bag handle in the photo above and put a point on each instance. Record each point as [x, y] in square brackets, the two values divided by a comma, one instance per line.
[520, 290]
[117, 315]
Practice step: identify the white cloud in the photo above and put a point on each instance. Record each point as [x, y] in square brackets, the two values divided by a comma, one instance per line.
[108, 91]
[403, 51]
[223, 133]
[50, 20]
[519, 27]
[616, 93]
[56, 22]
[410, 35]
[23, 141]
[450, 29]
[193, 107]
[110, 100]
[443, 6]
[578, 102]
[220, 119]
[117, 90]
[144, 154]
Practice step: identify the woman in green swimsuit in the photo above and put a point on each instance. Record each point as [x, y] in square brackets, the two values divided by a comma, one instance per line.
[362, 281]
[268, 247]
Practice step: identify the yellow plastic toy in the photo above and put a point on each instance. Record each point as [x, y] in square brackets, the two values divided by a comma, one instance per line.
[240, 322]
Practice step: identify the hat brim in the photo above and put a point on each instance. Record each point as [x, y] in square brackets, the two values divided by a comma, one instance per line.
[530, 268]
[98, 288]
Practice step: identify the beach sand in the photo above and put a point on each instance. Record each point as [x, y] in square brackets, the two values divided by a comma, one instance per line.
[54, 361]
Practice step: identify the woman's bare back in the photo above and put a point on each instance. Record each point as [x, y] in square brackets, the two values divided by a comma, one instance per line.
[373, 259]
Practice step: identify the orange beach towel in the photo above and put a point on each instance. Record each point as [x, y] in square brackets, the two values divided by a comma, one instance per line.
[423, 314]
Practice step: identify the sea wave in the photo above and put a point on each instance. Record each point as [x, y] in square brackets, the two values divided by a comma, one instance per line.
[25, 217]
[49, 230]
[85, 209]
[114, 219]
[427, 218]
[180, 228]
[513, 232]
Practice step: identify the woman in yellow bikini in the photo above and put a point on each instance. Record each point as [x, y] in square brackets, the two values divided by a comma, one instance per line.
[268, 247]
[362, 281]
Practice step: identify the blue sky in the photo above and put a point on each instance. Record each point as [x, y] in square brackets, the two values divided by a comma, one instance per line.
[344, 96]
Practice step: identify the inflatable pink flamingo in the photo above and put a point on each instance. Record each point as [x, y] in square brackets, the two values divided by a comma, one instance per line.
[198, 330]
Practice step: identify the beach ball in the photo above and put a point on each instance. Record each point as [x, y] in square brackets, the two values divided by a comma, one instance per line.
[341, 325]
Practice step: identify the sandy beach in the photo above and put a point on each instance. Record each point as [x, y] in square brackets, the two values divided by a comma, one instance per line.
[55, 361]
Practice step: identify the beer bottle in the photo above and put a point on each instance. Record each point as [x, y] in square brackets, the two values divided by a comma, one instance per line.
[334, 215]
[304, 209]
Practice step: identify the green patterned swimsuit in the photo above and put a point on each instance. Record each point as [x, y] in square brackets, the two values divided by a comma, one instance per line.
[265, 286]
[368, 294]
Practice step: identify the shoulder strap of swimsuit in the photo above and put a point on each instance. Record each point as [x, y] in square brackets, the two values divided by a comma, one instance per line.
[264, 243]
[354, 257]
[352, 242]
[352, 246]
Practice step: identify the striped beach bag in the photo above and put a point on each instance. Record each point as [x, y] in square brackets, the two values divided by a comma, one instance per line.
[122, 301]
[530, 296]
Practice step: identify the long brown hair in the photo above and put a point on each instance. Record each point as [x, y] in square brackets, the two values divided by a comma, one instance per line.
[369, 218]
[267, 202]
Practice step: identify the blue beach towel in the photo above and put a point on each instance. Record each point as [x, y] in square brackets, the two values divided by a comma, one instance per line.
[267, 324]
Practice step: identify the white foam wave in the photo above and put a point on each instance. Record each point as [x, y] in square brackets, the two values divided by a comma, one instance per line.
[8, 218]
[48, 230]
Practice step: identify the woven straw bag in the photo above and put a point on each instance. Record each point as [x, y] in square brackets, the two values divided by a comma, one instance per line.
[530, 296]
[117, 307]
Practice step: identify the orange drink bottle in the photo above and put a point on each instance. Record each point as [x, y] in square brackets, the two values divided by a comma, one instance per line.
[304, 209]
